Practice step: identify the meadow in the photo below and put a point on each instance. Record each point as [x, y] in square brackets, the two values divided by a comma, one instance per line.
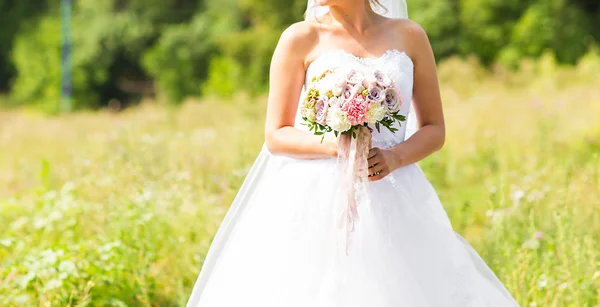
[119, 208]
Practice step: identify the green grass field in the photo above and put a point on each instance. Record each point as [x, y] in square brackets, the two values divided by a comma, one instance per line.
[106, 209]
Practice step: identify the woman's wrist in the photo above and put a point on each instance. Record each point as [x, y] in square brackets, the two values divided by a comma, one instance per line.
[398, 156]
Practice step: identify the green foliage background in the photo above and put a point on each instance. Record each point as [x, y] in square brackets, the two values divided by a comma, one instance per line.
[119, 209]
[179, 48]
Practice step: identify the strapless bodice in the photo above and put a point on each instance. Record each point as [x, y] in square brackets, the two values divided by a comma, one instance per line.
[396, 64]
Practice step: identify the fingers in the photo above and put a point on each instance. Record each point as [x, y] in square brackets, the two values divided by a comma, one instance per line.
[373, 152]
[377, 166]
[374, 160]
[377, 169]
[384, 172]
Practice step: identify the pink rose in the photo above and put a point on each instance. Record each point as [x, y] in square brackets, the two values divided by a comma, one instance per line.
[382, 79]
[351, 91]
[376, 94]
[347, 93]
[369, 82]
[354, 77]
[392, 100]
[321, 107]
[356, 109]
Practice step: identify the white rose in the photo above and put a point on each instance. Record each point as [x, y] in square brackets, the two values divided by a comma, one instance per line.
[337, 91]
[340, 80]
[375, 113]
[382, 79]
[355, 77]
[334, 101]
[338, 119]
[325, 85]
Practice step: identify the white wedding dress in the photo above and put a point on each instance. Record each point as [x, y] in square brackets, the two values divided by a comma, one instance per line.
[277, 244]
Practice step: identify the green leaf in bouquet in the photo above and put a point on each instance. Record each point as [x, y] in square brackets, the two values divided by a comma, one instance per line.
[399, 117]
[377, 126]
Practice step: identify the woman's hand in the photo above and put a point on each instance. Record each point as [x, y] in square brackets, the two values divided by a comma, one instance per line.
[382, 162]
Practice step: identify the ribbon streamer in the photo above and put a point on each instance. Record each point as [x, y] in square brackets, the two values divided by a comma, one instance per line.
[352, 159]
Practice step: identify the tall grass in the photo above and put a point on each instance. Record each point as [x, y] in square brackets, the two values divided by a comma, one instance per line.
[105, 209]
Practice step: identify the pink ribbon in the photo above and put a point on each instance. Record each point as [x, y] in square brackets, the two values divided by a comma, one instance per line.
[352, 158]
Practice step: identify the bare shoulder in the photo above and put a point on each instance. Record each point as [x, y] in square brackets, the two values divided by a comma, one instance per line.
[413, 36]
[408, 27]
[299, 39]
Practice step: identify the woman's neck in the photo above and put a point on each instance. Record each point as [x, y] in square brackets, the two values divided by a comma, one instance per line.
[356, 14]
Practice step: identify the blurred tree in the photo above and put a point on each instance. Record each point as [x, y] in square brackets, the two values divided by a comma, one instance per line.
[440, 20]
[262, 22]
[486, 25]
[39, 72]
[109, 38]
[549, 25]
[179, 61]
[127, 48]
[14, 14]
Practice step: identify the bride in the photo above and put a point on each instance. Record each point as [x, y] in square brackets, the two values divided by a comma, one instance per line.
[279, 243]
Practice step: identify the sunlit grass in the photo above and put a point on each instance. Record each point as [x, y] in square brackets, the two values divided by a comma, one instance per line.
[105, 209]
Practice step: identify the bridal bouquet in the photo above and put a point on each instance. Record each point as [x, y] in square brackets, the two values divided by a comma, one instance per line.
[344, 100]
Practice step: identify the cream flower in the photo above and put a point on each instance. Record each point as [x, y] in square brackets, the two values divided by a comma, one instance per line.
[375, 113]
[308, 109]
[326, 84]
[338, 119]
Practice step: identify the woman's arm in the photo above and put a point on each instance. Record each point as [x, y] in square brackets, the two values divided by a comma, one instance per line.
[287, 75]
[427, 103]
[428, 107]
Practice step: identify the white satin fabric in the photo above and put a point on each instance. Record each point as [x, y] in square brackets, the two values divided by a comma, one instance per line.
[278, 246]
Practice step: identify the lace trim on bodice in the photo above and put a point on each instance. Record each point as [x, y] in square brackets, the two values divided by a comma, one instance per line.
[385, 58]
